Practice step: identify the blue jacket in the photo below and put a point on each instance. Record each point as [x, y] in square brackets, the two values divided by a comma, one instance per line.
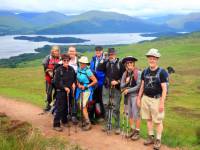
[100, 75]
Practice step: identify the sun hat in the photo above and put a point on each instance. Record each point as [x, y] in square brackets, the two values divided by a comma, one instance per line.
[153, 52]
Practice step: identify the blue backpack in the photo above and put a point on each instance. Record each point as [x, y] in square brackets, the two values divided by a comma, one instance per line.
[146, 71]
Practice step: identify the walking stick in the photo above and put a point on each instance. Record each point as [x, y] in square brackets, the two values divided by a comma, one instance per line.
[68, 114]
[110, 110]
[127, 125]
[74, 104]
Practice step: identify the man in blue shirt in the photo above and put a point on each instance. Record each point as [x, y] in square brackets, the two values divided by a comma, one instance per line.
[97, 95]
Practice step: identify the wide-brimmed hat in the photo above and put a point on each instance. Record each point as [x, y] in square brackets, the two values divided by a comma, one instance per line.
[83, 60]
[153, 52]
[129, 58]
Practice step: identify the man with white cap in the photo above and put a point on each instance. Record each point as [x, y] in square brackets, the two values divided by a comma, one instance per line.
[152, 96]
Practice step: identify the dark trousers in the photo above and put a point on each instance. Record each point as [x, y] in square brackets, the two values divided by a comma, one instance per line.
[49, 91]
[61, 109]
[97, 97]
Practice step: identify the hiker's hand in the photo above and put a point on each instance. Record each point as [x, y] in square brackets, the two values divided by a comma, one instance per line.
[161, 107]
[127, 80]
[67, 90]
[81, 87]
[125, 91]
[114, 83]
[50, 72]
[138, 102]
[73, 86]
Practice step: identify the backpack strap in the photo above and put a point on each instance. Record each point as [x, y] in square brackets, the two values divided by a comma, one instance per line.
[135, 73]
[158, 73]
[146, 70]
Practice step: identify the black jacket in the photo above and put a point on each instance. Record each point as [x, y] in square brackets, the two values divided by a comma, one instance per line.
[64, 77]
[113, 71]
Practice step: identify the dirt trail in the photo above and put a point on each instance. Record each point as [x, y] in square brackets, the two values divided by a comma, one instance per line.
[92, 140]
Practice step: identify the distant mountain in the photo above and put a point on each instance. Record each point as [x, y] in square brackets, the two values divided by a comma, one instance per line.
[92, 22]
[103, 22]
[190, 22]
[10, 23]
[162, 19]
[44, 19]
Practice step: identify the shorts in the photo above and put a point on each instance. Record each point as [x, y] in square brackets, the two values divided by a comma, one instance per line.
[86, 96]
[150, 109]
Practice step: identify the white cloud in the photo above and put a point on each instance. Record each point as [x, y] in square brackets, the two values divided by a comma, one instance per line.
[131, 7]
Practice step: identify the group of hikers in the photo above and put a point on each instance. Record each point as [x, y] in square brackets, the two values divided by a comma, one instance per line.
[86, 93]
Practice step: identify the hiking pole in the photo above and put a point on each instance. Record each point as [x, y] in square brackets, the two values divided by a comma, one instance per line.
[68, 114]
[123, 125]
[109, 113]
[74, 104]
[127, 125]
[110, 110]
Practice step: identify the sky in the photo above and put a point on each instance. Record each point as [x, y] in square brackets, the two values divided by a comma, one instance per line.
[141, 8]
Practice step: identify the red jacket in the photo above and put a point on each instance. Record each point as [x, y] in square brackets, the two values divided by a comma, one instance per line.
[50, 66]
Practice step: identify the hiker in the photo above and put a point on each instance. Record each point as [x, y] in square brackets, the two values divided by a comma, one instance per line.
[85, 82]
[151, 97]
[49, 62]
[74, 58]
[130, 84]
[64, 81]
[73, 63]
[113, 69]
[97, 110]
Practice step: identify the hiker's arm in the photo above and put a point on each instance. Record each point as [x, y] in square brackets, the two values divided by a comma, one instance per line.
[56, 79]
[123, 83]
[137, 87]
[45, 62]
[163, 96]
[140, 94]
[94, 81]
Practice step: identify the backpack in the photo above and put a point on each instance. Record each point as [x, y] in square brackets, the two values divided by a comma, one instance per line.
[146, 71]
[84, 72]
[108, 63]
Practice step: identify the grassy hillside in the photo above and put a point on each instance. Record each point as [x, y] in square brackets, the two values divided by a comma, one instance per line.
[182, 123]
[19, 135]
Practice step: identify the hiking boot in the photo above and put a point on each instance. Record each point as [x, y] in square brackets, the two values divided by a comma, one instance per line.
[149, 140]
[59, 129]
[66, 125]
[93, 121]
[104, 128]
[47, 108]
[82, 124]
[87, 126]
[132, 132]
[157, 144]
[136, 135]
[101, 120]
[117, 131]
[74, 120]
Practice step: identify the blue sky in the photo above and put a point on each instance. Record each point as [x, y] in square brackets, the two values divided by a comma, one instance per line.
[140, 8]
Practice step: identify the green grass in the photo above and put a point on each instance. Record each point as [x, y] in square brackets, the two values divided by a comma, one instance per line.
[25, 137]
[182, 121]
